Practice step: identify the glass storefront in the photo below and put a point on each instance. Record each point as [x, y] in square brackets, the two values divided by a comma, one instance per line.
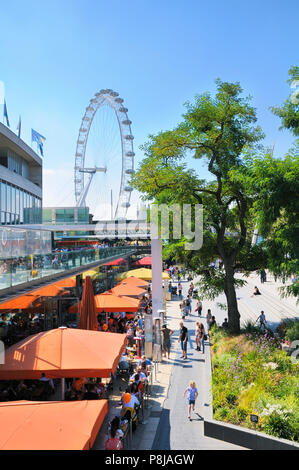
[18, 206]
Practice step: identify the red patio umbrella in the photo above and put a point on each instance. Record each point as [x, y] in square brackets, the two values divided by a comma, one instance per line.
[147, 261]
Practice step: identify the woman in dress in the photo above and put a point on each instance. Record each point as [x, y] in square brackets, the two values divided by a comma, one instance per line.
[197, 336]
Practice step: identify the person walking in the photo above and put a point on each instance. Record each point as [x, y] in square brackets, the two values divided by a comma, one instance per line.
[262, 320]
[183, 338]
[197, 336]
[198, 307]
[202, 337]
[263, 276]
[188, 305]
[209, 317]
[192, 394]
[180, 288]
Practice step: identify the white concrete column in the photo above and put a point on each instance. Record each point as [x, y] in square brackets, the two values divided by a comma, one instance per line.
[157, 291]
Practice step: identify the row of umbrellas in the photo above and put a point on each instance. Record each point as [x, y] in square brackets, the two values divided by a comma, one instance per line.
[62, 353]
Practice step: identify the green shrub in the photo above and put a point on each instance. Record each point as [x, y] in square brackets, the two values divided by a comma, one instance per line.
[250, 374]
[292, 333]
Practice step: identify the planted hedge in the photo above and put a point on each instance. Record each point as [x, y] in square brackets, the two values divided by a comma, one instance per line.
[251, 375]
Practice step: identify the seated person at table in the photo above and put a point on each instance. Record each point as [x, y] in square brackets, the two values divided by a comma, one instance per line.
[143, 368]
[91, 393]
[115, 427]
[113, 442]
[135, 390]
[50, 381]
[100, 388]
[79, 385]
[138, 373]
[129, 401]
[139, 382]
[144, 359]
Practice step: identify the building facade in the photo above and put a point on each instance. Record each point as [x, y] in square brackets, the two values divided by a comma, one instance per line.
[20, 181]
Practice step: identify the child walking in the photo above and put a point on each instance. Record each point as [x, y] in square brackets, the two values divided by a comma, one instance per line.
[192, 395]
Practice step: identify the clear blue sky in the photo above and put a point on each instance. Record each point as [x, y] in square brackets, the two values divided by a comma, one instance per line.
[54, 55]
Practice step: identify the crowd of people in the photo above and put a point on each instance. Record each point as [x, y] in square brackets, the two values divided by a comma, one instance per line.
[132, 400]
[16, 326]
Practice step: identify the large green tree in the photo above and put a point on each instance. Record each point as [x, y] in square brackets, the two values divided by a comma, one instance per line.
[217, 129]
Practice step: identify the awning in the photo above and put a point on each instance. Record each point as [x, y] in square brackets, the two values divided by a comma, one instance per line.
[29, 425]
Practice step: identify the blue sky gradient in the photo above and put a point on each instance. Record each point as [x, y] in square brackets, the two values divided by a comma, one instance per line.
[157, 54]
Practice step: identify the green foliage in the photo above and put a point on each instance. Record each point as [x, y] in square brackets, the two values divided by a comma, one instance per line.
[293, 332]
[289, 330]
[289, 111]
[218, 130]
[252, 376]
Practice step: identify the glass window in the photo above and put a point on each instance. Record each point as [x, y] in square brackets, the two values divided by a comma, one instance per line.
[69, 215]
[8, 195]
[83, 215]
[13, 199]
[21, 207]
[3, 196]
[59, 215]
[17, 201]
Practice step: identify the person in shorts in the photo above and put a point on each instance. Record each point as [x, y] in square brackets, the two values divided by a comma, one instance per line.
[166, 332]
[183, 338]
[192, 394]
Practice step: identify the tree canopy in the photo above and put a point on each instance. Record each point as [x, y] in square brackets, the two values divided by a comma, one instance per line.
[218, 130]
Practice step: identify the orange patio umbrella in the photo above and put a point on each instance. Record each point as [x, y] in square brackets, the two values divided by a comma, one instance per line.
[64, 352]
[112, 303]
[29, 425]
[134, 281]
[127, 290]
[87, 309]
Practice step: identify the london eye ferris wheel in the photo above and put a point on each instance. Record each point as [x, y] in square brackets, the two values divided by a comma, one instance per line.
[104, 159]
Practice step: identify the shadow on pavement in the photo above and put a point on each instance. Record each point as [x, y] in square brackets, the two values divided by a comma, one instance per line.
[162, 437]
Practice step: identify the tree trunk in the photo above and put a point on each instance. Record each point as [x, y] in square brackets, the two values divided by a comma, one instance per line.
[231, 298]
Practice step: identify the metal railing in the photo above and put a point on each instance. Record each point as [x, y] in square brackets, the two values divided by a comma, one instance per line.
[19, 270]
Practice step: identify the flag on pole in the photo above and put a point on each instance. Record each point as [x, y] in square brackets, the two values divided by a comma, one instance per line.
[39, 139]
[19, 127]
[5, 114]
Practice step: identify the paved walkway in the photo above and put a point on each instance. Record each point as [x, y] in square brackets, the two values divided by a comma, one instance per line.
[166, 425]
[276, 308]
[175, 431]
